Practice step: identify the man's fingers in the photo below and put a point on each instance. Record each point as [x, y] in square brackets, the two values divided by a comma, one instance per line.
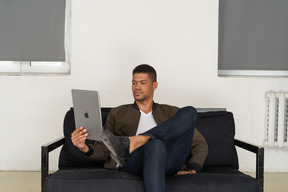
[185, 172]
[79, 136]
[80, 142]
[75, 132]
[78, 132]
[180, 173]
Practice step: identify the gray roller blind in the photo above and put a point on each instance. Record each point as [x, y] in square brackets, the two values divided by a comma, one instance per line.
[253, 35]
[32, 30]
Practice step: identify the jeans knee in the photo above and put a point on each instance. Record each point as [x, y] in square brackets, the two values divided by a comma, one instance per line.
[190, 113]
[156, 146]
[191, 110]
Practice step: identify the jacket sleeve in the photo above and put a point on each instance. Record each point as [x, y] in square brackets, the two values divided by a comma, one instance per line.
[97, 152]
[199, 151]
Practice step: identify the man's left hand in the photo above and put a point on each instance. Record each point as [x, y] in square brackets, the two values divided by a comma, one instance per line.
[186, 172]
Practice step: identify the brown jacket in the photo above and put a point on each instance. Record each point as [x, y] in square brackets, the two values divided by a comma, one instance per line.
[123, 120]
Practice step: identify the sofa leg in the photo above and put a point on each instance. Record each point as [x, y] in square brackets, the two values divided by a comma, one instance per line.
[44, 165]
[260, 168]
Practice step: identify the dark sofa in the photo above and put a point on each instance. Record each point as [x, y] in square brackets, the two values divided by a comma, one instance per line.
[219, 174]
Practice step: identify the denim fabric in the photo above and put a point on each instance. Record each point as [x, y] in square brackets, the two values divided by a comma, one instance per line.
[166, 151]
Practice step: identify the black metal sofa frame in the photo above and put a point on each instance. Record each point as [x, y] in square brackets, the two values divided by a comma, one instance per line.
[218, 171]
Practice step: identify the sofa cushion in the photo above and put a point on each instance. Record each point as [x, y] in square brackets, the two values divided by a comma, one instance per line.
[218, 129]
[103, 180]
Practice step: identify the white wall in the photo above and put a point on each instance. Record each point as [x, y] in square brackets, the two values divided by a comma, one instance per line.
[111, 37]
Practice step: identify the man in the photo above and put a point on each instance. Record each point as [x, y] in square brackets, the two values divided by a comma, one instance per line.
[146, 138]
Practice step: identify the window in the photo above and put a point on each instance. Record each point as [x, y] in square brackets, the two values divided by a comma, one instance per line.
[35, 37]
[253, 38]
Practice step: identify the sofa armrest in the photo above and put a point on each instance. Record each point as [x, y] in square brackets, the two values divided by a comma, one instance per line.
[45, 149]
[259, 151]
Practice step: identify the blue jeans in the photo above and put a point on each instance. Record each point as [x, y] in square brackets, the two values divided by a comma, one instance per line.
[166, 151]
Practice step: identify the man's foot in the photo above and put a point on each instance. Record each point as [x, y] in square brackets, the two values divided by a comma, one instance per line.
[117, 145]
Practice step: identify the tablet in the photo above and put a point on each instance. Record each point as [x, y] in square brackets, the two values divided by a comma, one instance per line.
[87, 112]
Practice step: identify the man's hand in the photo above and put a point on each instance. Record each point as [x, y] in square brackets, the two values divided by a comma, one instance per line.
[186, 172]
[78, 138]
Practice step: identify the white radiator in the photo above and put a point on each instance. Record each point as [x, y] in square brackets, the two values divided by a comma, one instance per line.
[276, 119]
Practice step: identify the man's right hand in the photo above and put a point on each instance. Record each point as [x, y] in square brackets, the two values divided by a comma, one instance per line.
[78, 138]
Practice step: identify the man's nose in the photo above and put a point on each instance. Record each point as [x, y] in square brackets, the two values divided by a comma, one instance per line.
[137, 86]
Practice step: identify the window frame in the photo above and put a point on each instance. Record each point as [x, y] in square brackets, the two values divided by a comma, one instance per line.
[19, 68]
[250, 68]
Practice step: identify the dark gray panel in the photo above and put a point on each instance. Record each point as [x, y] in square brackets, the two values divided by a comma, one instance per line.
[32, 30]
[253, 35]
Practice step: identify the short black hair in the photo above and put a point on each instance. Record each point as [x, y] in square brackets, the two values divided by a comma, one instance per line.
[144, 68]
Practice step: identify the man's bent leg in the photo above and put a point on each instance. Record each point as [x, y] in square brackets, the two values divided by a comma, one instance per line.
[134, 164]
[177, 151]
[177, 133]
[154, 165]
[149, 161]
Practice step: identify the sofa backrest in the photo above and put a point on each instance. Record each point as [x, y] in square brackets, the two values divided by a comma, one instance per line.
[217, 127]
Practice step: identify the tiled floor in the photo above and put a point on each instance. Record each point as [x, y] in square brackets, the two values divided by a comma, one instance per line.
[20, 181]
[30, 182]
[274, 182]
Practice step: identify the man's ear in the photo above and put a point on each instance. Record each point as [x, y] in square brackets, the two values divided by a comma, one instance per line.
[155, 85]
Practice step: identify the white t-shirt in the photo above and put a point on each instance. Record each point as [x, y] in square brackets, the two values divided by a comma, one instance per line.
[146, 122]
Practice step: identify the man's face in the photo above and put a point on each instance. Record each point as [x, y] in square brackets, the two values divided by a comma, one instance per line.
[143, 87]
